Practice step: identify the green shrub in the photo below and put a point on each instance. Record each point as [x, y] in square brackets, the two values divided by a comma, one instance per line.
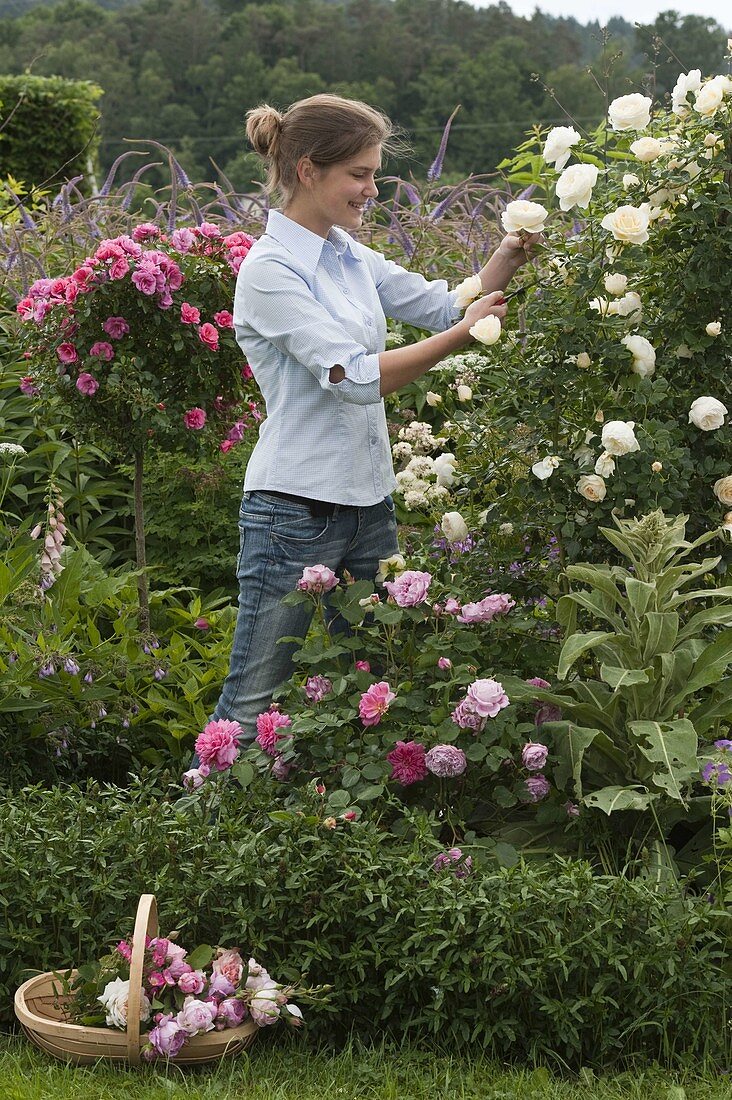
[50, 127]
[524, 962]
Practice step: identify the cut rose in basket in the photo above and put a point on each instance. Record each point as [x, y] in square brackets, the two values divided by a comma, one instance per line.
[183, 994]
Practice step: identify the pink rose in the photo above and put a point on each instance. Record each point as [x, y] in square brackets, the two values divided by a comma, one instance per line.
[224, 319]
[538, 787]
[145, 232]
[485, 610]
[220, 986]
[67, 353]
[202, 624]
[87, 384]
[119, 268]
[183, 240]
[208, 334]
[116, 327]
[375, 702]
[362, 666]
[108, 250]
[177, 967]
[452, 606]
[317, 579]
[410, 588]
[317, 687]
[263, 1006]
[446, 761]
[444, 663]
[533, 756]
[407, 760]
[194, 419]
[28, 387]
[102, 350]
[280, 770]
[218, 745]
[167, 1038]
[229, 964]
[194, 981]
[196, 1016]
[195, 778]
[230, 1013]
[225, 445]
[145, 281]
[209, 230]
[487, 697]
[268, 724]
[189, 315]
[537, 682]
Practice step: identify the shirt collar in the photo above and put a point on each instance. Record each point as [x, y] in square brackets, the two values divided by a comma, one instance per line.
[303, 243]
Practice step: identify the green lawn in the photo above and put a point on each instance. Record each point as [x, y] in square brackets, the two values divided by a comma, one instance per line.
[281, 1071]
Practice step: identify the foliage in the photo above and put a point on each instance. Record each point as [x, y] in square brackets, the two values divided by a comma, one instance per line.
[49, 127]
[527, 963]
[578, 357]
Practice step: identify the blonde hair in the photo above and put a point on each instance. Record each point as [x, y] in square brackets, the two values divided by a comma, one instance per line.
[326, 128]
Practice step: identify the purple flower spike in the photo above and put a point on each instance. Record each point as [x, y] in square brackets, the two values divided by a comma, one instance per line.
[435, 169]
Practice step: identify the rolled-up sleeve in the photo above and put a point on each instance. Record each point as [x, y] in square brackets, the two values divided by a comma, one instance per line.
[408, 296]
[281, 307]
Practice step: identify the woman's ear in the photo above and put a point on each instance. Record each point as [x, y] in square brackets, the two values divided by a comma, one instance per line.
[305, 171]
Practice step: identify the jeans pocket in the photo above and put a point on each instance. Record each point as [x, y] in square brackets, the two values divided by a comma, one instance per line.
[303, 530]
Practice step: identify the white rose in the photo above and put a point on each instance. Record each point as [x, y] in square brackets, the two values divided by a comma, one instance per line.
[630, 180]
[618, 437]
[707, 413]
[599, 417]
[723, 490]
[467, 291]
[630, 112]
[683, 351]
[657, 198]
[687, 82]
[583, 360]
[601, 305]
[629, 303]
[605, 465]
[574, 186]
[464, 393]
[712, 139]
[114, 998]
[592, 487]
[713, 328]
[546, 467]
[558, 145]
[454, 527]
[444, 467]
[521, 214]
[487, 330]
[628, 224]
[433, 399]
[615, 283]
[644, 355]
[395, 564]
[709, 98]
[656, 466]
[646, 149]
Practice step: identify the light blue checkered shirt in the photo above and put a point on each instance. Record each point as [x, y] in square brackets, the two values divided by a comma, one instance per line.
[304, 304]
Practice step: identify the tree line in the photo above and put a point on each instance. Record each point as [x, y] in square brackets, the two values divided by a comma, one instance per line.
[184, 72]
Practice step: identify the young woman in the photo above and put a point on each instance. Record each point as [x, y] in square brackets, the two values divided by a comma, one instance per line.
[310, 316]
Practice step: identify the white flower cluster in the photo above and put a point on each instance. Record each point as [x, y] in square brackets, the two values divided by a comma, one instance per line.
[418, 435]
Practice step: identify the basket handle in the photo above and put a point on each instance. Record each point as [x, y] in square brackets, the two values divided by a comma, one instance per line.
[146, 923]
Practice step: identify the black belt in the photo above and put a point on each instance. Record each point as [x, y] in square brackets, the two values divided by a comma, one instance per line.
[316, 507]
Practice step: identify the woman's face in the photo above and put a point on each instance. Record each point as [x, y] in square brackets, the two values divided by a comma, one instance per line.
[338, 195]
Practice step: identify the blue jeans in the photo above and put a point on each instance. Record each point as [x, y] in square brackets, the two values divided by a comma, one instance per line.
[277, 539]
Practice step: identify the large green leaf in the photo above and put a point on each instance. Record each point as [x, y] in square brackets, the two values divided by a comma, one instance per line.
[570, 742]
[578, 644]
[711, 664]
[661, 631]
[673, 746]
[599, 606]
[598, 577]
[622, 677]
[711, 711]
[640, 594]
[611, 799]
[711, 616]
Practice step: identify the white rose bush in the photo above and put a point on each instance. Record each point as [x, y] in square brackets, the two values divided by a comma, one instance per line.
[609, 389]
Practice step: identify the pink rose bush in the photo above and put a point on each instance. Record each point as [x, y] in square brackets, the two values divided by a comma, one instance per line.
[101, 327]
[374, 703]
[410, 588]
[179, 1001]
[269, 723]
[218, 746]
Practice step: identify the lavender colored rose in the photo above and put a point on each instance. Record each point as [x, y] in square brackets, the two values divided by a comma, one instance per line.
[533, 756]
[446, 761]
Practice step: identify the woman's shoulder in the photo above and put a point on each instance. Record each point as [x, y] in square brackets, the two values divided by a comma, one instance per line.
[266, 259]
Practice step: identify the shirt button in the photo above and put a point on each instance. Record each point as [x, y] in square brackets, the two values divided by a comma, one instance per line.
[374, 440]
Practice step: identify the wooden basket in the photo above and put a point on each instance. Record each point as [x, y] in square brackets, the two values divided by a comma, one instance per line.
[43, 1022]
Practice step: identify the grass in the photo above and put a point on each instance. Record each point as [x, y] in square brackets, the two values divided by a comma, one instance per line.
[288, 1071]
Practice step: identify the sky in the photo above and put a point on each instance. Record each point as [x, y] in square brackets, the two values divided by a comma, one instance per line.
[635, 11]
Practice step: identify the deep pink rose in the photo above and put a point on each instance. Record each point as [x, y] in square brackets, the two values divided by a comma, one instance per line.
[145, 232]
[102, 350]
[317, 579]
[362, 666]
[224, 319]
[119, 268]
[208, 334]
[87, 384]
[410, 588]
[268, 725]
[375, 702]
[202, 624]
[407, 760]
[209, 230]
[116, 327]
[226, 445]
[67, 353]
[218, 745]
[108, 250]
[189, 315]
[194, 419]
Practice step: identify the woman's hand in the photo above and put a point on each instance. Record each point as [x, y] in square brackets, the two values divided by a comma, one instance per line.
[491, 305]
[517, 250]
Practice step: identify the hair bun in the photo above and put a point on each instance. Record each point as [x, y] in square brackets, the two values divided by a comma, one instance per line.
[264, 126]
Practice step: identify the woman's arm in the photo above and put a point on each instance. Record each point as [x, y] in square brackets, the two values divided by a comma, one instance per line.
[402, 365]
